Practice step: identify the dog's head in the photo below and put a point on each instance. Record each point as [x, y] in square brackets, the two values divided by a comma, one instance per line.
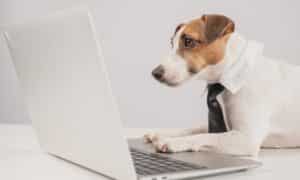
[196, 45]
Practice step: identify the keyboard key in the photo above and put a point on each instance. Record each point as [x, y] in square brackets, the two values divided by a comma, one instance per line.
[150, 164]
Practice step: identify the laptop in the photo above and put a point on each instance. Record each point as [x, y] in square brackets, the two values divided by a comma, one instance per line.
[63, 76]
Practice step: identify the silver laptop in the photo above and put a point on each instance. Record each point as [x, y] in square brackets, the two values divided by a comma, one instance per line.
[59, 63]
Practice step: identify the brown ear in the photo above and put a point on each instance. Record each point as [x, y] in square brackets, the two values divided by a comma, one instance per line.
[217, 26]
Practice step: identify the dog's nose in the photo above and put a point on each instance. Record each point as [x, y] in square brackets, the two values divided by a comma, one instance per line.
[158, 72]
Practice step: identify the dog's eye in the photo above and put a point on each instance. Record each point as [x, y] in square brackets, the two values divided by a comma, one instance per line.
[189, 42]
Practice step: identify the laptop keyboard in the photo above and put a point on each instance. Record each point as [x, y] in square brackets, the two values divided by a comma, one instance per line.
[153, 164]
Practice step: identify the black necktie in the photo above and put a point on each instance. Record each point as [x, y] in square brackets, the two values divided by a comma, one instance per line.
[216, 122]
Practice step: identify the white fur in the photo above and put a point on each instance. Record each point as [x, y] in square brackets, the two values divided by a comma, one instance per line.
[176, 68]
[261, 101]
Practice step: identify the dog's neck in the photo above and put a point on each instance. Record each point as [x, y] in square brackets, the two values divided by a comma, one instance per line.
[232, 70]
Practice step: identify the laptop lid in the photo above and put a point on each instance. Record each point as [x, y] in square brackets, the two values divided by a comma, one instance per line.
[12, 104]
[66, 87]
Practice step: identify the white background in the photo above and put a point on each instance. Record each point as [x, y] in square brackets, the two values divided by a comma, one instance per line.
[135, 35]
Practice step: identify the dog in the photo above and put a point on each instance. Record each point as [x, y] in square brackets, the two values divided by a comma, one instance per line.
[261, 101]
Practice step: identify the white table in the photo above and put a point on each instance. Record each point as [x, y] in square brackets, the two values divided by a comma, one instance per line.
[22, 159]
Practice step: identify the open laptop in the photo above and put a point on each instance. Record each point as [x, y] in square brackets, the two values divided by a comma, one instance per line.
[64, 79]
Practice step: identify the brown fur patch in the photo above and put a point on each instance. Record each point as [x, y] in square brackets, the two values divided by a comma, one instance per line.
[209, 35]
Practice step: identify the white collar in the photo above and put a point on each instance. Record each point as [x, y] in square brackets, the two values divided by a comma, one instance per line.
[233, 70]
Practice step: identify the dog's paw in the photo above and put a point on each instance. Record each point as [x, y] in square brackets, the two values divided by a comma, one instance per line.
[151, 137]
[170, 145]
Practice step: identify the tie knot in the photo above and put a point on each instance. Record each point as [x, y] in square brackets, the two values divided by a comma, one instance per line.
[214, 90]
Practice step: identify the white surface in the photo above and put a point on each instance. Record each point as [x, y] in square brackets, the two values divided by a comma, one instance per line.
[22, 158]
[136, 34]
[66, 87]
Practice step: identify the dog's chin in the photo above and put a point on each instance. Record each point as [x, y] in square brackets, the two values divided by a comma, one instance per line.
[176, 83]
[171, 83]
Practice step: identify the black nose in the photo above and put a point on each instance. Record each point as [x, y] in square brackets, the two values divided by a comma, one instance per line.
[158, 73]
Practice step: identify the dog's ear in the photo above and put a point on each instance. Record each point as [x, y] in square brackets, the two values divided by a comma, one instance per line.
[217, 26]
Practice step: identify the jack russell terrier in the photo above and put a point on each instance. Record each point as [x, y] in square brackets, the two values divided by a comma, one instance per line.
[260, 96]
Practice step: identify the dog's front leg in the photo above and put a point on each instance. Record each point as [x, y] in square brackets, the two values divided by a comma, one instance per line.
[249, 129]
[232, 142]
[154, 136]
